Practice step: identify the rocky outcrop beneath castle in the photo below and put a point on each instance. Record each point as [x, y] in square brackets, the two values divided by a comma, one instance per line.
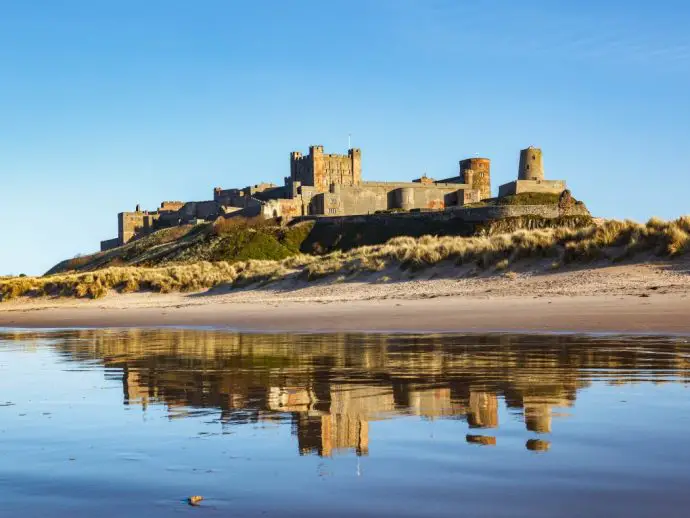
[347, 232]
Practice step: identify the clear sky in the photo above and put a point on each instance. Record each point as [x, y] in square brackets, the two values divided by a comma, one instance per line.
[106, 104]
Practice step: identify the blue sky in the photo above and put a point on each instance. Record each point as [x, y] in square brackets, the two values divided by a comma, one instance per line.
[107, 104]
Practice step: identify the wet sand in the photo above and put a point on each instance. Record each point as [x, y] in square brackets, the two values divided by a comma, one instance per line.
[663, 314]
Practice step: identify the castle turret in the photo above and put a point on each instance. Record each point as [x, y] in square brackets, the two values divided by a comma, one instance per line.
[481, 178]
[356, 158]
[405, 198]
[531, 176]
[531, 165]
[295, 160]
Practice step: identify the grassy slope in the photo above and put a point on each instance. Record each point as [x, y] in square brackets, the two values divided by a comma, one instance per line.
[239, 241]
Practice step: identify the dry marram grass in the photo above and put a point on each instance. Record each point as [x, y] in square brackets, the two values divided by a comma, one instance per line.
[612, 240]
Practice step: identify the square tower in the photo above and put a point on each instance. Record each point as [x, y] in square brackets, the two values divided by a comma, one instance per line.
[321, 170]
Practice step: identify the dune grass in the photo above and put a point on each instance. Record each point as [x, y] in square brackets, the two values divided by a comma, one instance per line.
[611, 241]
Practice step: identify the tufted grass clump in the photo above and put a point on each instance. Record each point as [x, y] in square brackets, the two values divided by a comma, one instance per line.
[610, 241]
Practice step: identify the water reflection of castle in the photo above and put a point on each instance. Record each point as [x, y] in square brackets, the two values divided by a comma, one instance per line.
[333, 387]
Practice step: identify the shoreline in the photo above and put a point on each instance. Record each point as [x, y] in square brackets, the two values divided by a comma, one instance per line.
[639, 298]
[654, 315]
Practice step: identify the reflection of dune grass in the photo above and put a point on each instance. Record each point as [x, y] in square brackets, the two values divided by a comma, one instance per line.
[613, 240]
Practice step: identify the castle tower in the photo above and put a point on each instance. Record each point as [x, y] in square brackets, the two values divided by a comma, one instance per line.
[320, 170]
[405, 198]
[531, 164]
[480, 178]
[355, 155]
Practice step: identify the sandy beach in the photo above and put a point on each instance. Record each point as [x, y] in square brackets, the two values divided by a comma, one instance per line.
[632, 298]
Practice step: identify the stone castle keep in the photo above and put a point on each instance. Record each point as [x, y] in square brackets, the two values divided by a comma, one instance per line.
[327, 185]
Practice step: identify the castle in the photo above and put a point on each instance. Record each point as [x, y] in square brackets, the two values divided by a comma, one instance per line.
[326, 185]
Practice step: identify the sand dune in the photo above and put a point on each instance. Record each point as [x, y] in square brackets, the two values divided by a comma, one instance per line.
[637, 298]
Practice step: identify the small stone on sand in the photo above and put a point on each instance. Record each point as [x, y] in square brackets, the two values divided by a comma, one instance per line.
[195, 500]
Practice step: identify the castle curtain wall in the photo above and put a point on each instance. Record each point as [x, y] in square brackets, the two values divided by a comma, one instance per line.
[370, 197]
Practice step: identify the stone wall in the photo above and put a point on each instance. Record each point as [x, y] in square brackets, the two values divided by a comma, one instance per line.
[236, 198]
[370, 197]
[130, 224]
[109, 244]
[171, 206]
[522, 186]
[223, 196]
[287, 209]
[468, 214]
[252, 190]
[270, 193]
[326, 203]
[363, 199]
[477, 214]
[198, 210]
[467, 196]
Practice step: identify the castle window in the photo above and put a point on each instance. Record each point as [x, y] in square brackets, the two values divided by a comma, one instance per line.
[534, 157]
[527, 166]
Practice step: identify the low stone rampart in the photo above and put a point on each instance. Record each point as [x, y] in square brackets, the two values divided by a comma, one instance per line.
[109, 244]
[480, 214]
[468, 214]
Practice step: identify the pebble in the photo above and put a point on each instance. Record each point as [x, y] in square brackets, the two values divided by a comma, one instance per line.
[195, 500]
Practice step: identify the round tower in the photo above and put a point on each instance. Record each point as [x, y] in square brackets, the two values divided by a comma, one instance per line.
[405, 198]
[531, 165]
[481, 176]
